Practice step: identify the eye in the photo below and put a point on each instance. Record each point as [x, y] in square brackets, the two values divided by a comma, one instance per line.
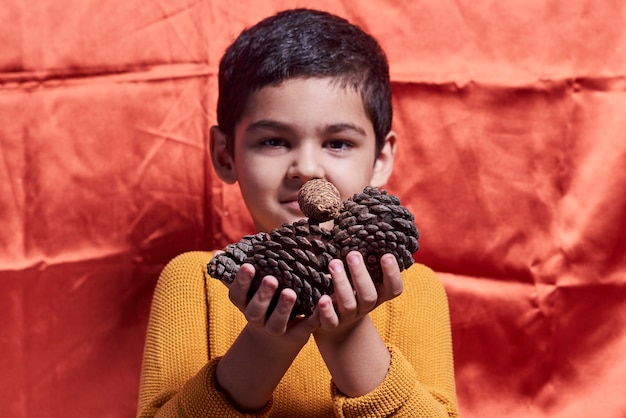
[339, 144]
[274, 142]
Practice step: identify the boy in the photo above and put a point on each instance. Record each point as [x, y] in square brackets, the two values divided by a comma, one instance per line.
[302, 95]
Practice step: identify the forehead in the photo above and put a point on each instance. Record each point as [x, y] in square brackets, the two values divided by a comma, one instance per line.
[307, 102]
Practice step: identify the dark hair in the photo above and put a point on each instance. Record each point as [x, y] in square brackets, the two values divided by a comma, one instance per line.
[304, 43]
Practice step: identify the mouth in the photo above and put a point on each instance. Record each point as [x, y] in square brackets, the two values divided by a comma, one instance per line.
[292, 205]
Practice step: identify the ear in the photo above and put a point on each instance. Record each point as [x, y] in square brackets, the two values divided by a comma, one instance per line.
[222, 160]
[383, 166]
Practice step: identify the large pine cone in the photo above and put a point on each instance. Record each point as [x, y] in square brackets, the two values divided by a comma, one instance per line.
[372, 222]
[298, 256]
[226, 265]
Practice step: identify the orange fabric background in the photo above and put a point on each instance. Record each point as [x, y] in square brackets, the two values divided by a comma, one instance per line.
[512, 158]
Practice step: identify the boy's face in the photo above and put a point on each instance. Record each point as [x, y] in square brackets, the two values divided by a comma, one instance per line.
[302, 129]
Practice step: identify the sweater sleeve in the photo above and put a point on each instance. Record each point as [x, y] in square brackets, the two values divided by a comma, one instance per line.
[177, 377]
[420, 380]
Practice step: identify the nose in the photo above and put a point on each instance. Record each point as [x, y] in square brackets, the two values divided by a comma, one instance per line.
[305, 165]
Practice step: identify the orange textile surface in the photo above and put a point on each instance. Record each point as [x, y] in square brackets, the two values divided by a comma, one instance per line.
[512, 157]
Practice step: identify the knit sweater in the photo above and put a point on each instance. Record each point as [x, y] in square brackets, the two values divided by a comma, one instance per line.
[193, 323]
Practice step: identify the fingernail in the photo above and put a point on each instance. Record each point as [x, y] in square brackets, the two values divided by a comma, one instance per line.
[335, 267]
[387, 260]
[353, 259]
[268, 284]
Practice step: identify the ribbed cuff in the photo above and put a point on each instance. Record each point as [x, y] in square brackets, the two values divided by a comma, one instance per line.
[388, 397]
[201, 397]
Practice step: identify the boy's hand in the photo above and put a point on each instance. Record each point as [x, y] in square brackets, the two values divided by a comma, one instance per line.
[279, 322]
[349, 343]
[353, 301]
[250, 370]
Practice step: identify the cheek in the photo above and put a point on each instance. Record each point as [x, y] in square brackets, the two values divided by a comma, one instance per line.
[350, 186]
[246, 167]
[352, 180]
[257, 175]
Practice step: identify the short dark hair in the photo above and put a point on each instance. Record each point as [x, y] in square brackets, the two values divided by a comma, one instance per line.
[304, 43]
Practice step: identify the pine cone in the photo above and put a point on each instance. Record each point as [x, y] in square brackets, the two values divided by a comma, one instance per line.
[225, 265]
[319, 200]
[374, 223]
[298, 256]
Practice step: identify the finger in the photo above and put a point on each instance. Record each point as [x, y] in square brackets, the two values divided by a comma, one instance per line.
[256, 310]
[328, 318]
[343, 291]
[392, 279]
[238, 289]
[366, 292]
[279, 318]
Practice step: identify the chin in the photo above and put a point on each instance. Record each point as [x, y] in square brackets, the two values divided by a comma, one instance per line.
[328, 225]
[292, 219]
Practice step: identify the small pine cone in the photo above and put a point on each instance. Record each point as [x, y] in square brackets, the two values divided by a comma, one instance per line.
[374, 223]
[319, 200]
[298, 256]
[225, 265]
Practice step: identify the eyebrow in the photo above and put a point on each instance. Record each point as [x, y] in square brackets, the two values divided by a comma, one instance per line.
[328, 129]
[342, 127]
[267, 125]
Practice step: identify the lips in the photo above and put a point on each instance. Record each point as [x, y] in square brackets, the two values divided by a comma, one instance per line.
[292, 205]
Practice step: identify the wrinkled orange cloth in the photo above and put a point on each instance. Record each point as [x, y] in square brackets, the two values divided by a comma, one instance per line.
[511, 156]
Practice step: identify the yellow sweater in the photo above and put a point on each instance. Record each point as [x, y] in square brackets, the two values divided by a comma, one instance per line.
[193, 323]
